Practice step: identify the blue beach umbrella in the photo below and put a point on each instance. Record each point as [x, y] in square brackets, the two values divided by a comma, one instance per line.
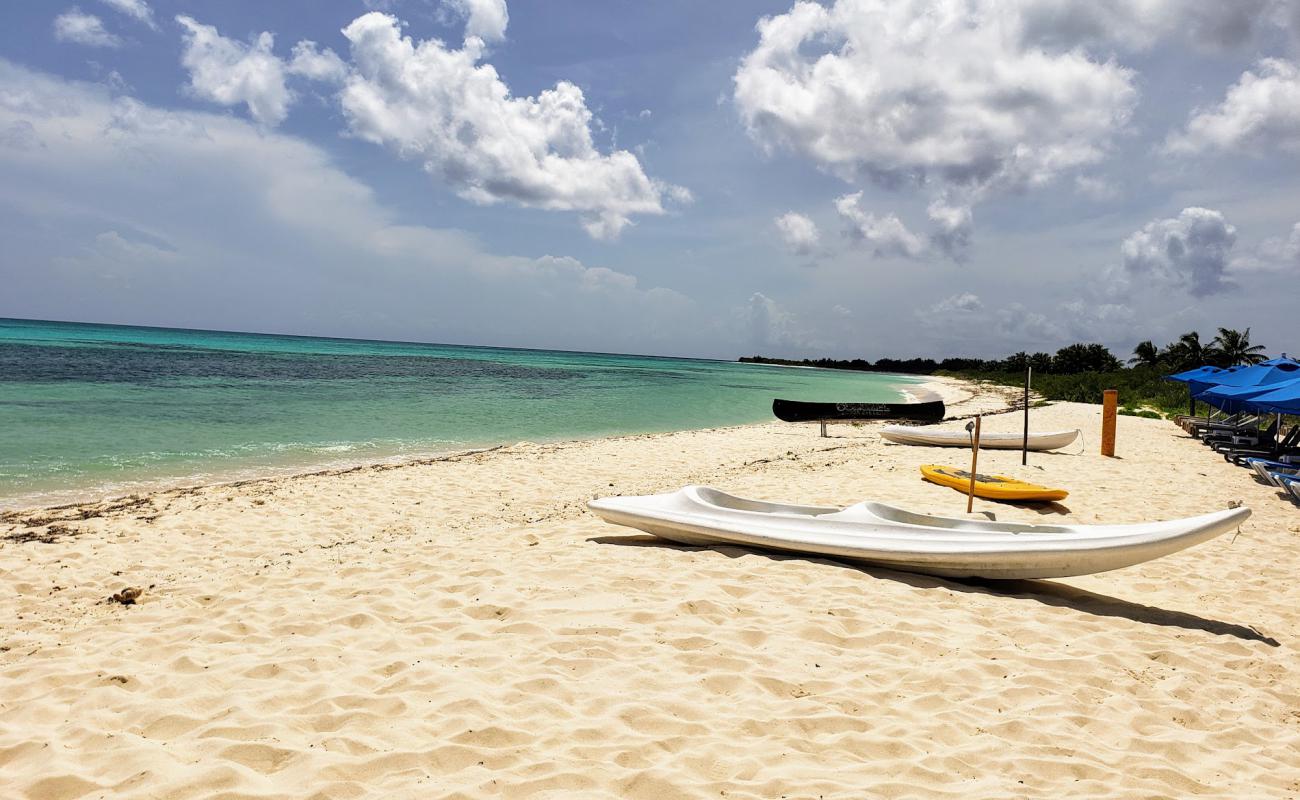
[1235, 398]
[1200, 383]
[1206, 373]
[1283, 398]
[1192, 374]
[1275, 371]
[1200, 379]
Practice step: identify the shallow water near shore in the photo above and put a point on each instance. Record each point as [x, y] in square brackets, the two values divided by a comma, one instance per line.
[95, 408]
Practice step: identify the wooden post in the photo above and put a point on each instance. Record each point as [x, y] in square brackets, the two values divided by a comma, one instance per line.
[823, 422]
[1109, 404]
[1024, 446]
[974, 464]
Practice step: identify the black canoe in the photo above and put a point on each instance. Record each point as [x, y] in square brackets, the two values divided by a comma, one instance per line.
[799, 411]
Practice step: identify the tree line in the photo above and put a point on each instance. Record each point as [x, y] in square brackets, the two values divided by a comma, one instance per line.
[1229, 347]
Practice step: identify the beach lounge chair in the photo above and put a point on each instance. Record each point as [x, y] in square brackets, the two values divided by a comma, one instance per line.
[1267, 469]
[1291, 485]
[1272, 436]
[1217, 418]
[1287, 447]
[1250, 437]
[1236, 423]
[1194, 426]
[1186, 421]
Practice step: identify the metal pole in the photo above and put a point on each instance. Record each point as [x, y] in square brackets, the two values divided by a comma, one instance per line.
[974, 463]
[1024, 446]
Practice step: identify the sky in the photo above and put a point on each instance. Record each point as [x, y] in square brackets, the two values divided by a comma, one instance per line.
[850, 178]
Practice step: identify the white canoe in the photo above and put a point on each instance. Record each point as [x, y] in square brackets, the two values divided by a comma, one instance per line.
[937, 437]
[898, 539]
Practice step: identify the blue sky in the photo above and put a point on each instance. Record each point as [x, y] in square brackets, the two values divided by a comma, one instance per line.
[851, 178]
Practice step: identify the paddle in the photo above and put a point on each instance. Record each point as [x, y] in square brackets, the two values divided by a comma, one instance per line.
[1024, 446]
[974, 460]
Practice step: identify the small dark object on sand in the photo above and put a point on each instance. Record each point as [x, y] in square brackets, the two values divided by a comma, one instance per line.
[127, 596]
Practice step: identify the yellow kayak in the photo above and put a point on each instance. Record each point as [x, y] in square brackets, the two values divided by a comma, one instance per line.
[990, 487]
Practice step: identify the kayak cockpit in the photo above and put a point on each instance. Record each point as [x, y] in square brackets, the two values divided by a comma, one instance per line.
[712, 497]
[898, 516]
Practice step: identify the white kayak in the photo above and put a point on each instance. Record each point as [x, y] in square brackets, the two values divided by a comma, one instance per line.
[898, 539]
[937, 437]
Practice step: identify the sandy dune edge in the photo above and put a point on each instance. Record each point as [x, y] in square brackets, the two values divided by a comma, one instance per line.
[463, 628]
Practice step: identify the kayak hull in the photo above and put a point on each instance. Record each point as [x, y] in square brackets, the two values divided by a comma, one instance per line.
[925, 437]
[890, 537]
[800, 411]
[991, 487]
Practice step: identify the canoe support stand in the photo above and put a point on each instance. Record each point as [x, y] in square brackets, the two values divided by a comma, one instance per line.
[823, 424]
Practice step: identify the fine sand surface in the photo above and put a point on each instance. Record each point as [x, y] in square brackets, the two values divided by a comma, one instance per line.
[464, 628]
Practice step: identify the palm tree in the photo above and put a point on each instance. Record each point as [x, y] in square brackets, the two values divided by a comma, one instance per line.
[1190, 343]
[1235, 348]
[1145, 354]
[1187, 352]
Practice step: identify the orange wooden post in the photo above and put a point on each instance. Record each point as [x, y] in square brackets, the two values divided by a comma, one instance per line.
[1109, 404]
[974, 462]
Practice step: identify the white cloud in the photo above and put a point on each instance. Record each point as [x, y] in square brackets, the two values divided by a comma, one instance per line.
[772, 326]
[135, 9]
[954, 224]
[799, 233]
[1138, 24]
[1275, 254]
[486, 19]
[114, 257]
[318, 65]
[229, 72]
[1023, 329]
[678, 194]
[1284, 252]
[1088, 321]
[1287, 15]
[887, 235]
[963, 303]
[1191, 251]
[271, 234]
[457, 117]
[445, 109]
[1095, 188]
[968, 327]
[78, 27]
[1260, 112]
[934, 92]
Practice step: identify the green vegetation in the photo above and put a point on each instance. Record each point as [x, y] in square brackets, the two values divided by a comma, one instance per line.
[1080, 372]
[1140, 388]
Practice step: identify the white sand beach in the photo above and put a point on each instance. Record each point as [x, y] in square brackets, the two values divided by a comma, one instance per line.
[463, 627]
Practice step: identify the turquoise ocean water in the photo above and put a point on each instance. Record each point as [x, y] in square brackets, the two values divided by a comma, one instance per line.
[94, 409]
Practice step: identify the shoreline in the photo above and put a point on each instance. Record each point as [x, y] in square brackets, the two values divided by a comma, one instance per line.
[956, 393]
[105, 492]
